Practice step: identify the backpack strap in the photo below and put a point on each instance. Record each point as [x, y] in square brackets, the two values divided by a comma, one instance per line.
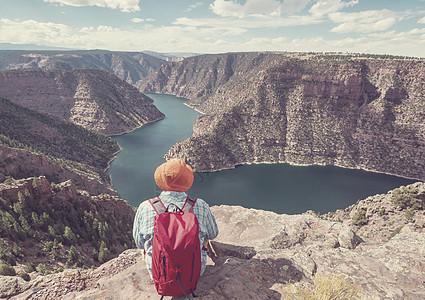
[189, 204]
[157, 205]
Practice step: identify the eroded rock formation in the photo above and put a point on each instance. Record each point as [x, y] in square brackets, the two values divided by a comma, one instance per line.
[349, 111]
[94, 99]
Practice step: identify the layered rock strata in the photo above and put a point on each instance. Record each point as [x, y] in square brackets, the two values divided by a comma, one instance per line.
[343, 110]
[94, 99]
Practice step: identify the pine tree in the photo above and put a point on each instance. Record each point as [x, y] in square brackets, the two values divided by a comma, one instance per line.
[103, 253]
[68, 235]
[73, 255]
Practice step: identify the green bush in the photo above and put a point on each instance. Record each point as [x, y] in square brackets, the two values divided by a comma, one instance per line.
[6, 270]
[25, 276]
[409, 213]
[360, 218]
[406, 197]
[29, 267]
[395, 232]
[381, 212]
[41, 268]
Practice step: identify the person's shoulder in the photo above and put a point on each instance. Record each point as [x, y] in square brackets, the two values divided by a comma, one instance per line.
[200, 201]
[145, 204]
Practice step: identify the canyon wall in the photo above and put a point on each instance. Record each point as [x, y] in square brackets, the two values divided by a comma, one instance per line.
[128, 66]
[34, 144]
[344, 110]
[94, 99]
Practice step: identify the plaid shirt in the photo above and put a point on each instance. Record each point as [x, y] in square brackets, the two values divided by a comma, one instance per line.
[143, 224]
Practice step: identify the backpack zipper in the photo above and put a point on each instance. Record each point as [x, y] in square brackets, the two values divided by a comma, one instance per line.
[193, 266]
[163, 268]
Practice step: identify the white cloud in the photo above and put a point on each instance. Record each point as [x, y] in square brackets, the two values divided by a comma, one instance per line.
[123, 5]
[422, 20]
[250, 22]
[323, 7]
[225, 35]
[31, 31]
[193, 6]
[295, 5]
[140, 20]
[137, 20]
[232, 8]
[365, 21]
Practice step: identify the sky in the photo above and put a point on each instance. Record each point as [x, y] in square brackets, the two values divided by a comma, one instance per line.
[395, 27]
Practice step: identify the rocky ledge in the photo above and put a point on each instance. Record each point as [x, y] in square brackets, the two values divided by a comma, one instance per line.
[264, 255]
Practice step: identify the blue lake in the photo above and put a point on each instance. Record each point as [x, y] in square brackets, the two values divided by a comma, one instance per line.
[278, 187]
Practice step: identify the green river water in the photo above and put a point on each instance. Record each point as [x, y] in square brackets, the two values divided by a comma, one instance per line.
[277, 187]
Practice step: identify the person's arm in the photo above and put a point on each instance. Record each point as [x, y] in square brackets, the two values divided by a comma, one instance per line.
[137, 228]
[211, 225]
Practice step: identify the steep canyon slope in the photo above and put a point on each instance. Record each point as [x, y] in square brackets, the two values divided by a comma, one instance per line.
[34, 144]
[94, 99]
[346, 110]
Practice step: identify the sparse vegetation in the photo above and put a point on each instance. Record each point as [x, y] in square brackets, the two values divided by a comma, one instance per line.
[6, 269]
[406, 197]
[395, 232]
[25, 276]
[360, 218]
[409, 214]
[60, 230]
[332, 287]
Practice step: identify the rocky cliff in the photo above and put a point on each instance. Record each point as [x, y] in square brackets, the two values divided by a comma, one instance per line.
[264, 255]
[20, 163]
[128, 66]
[344, 110]
[94, 99]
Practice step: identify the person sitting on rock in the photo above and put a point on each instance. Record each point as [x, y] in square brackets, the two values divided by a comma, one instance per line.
[174, 178]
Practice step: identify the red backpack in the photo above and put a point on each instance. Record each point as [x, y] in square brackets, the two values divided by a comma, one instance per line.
[176, 252]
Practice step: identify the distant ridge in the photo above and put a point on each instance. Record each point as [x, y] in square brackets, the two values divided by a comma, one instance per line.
[128, 66]
[10, 46]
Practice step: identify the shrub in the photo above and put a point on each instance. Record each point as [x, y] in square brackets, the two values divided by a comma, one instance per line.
[29, 267]
[6, 270]
[360, 218]
[25, 276]
[381, 212]
[395, 232]
[41, 268]
[333, 287]
[409, 213]
[406, 197]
